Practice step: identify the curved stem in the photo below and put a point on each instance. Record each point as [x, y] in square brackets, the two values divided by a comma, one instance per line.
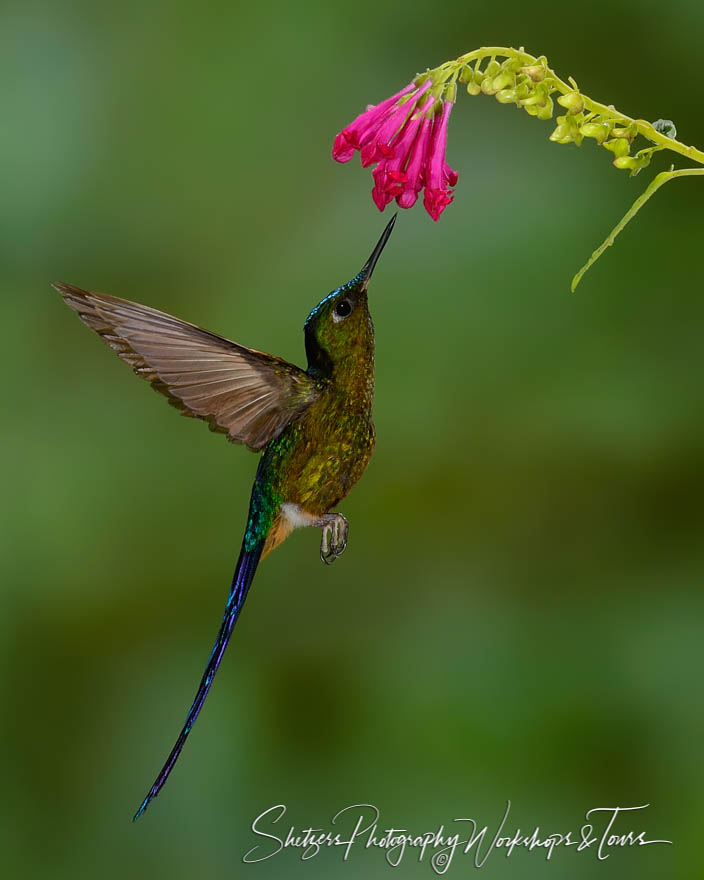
[655, 184]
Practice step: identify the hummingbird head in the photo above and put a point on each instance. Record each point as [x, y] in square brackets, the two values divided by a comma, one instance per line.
[340, 326]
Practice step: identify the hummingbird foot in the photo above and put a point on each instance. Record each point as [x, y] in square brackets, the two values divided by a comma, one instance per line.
[334, 540]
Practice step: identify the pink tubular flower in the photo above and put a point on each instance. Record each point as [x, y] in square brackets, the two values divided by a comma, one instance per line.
[416, 167]
[407, 141]
[450, 174]
[389, 175]
[342, 149]
[440, 177]
[381, 146]
[361, 131]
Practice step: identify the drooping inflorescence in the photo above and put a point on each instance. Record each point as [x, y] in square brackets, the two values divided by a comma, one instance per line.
[406, 135]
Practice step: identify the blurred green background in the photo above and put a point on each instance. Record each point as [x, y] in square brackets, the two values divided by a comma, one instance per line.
[519, 613]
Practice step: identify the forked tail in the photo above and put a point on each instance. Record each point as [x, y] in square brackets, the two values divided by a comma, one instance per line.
[241, 582]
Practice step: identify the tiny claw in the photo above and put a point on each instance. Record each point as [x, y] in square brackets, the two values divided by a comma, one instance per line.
[329, 558]
[334, 538]
[327, 552]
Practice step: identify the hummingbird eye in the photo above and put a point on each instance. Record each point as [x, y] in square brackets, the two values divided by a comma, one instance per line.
[341, 310]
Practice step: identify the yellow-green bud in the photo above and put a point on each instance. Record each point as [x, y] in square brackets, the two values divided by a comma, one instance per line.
[533, 98]
[466, 74]
[488, 86]
[544, 111]
[625, 162]
[535, 71]
[513, 65]
[492, 68]
[619, 147]
[503, 81]
[562, 131]
[506, 96]
[572, 102]
[644, 156]
[473, 88]
[622, 133]
[596, 130]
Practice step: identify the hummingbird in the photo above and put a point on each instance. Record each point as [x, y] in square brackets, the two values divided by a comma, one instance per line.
[313, 426]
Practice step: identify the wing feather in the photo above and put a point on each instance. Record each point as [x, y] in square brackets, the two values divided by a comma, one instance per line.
[247, 394]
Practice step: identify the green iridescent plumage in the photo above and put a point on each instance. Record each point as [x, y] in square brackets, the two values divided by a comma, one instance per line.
[315, 426]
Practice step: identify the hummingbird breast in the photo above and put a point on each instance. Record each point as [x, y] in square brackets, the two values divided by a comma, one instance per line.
[330, 449]
[320, 456]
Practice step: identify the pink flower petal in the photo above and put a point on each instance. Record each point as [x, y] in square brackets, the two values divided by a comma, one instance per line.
[389, 177]
[415, 169]
[380, 145]
[435, 201]
[450, 175]
[381, 198]
[388, 180]
[438, 194]
[342, 150]
[358, 131]
[438, 143]
[407, 198]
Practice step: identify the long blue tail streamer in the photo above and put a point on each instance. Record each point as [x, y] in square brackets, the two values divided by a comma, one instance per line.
[241, 582]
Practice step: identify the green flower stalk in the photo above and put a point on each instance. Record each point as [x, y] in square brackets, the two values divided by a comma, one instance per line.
[408, 160]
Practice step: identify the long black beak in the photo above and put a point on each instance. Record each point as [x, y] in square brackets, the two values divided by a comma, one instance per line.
[366, 272]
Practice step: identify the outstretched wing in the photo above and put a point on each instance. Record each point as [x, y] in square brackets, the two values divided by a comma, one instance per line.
[246, 394]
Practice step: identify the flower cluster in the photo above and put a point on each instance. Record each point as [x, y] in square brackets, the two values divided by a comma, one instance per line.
[530, 86]
[512, 82]
[406, 136]
[613, 134]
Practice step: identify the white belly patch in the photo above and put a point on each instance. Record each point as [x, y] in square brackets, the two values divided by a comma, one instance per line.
[296, 516]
